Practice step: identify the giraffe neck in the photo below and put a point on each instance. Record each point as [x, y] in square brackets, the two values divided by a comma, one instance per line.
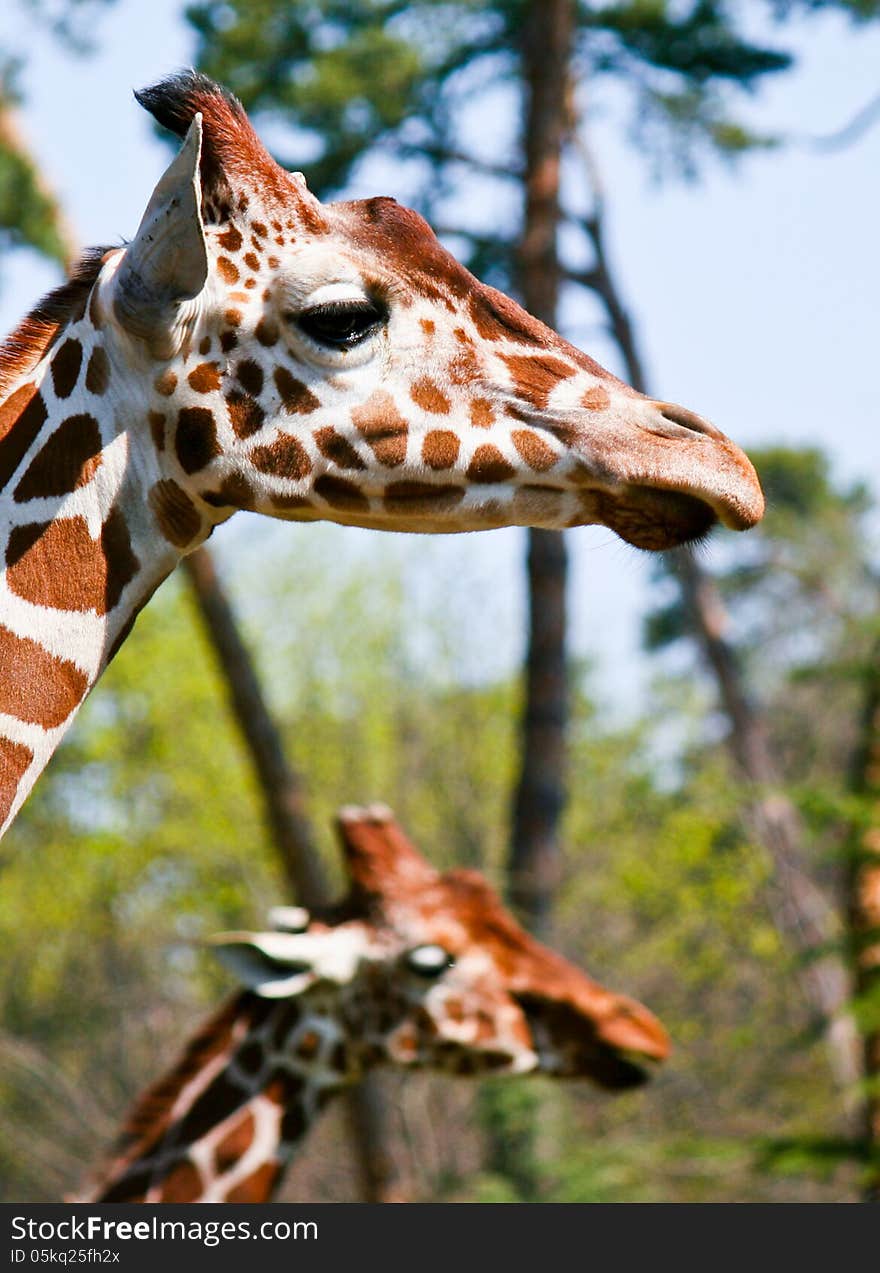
[85, 513]
[226, 1122]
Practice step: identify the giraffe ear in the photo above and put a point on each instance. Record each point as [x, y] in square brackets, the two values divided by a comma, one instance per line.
[266, 963]
[167, 262]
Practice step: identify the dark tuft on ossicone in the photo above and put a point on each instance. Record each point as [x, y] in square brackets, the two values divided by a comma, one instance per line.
[232, 154]
[174, 101]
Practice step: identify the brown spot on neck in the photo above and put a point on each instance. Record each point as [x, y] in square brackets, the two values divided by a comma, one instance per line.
[98, 372]
[440, 449]
[22, 416]
[36, 686]
[176, 515]
[266, 332]
[338, 449]
[231, 239]
[69, 460]
[249, 375]
[58, 564]
[285, 457]
[65, 367]
[15, 760]
[482, 413]
[534, 450]
[488, 465]
[258, 1186]
[245, 413]
[416, 498]
[166, 382]
[157, 421]
[235, 492]
[182, 1184]
[596, 399]
[196, 438]
[205, 378]
[235, 1143]
[342, 494]
[227, 270]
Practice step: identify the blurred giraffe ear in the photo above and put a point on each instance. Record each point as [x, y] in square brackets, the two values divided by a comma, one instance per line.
[167, 262]
[266, 963]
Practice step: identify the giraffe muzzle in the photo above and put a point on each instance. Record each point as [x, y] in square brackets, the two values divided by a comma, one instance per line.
[669, 482]
[688, 455]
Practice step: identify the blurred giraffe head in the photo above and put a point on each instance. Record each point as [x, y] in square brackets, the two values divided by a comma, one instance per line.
[335, 362]
[427, 969]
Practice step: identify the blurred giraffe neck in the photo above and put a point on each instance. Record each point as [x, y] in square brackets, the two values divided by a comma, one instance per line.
[225, 1123]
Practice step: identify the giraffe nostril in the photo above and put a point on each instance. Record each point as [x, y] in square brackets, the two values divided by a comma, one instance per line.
[684, 419]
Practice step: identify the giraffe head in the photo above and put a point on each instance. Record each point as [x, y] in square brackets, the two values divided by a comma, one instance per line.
[424, 969]
[334, 362]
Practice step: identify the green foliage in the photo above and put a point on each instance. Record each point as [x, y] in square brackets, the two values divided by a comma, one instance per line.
[29, 212]
[700, 43]
[508, 1113]
[145, 835]
[347, 77]
[28, 215]
[338, 85]
[804, 589]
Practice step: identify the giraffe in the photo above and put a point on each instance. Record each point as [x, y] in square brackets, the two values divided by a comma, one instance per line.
[254, 348]
[414, 969]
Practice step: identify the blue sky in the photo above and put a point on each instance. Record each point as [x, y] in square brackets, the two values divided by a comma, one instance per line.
[755, 290]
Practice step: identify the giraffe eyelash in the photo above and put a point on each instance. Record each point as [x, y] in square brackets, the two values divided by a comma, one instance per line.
[340, 324]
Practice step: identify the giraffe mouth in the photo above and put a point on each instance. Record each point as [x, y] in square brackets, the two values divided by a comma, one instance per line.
[569, 1047]
[617, 1049]
[653, 518]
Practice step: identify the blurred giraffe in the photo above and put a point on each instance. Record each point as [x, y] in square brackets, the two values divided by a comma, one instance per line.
[413, 969]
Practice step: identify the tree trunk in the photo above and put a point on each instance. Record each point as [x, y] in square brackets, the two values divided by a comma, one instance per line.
[864, 914]
[284, 803]
[534, 863]
[511, 1116]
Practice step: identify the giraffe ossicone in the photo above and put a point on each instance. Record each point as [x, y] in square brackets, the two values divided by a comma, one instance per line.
[255, 348]
[414, 969]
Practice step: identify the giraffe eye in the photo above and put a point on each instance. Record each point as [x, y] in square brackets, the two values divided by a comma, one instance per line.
[429, 961]
[289, 919]
[342, 324]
